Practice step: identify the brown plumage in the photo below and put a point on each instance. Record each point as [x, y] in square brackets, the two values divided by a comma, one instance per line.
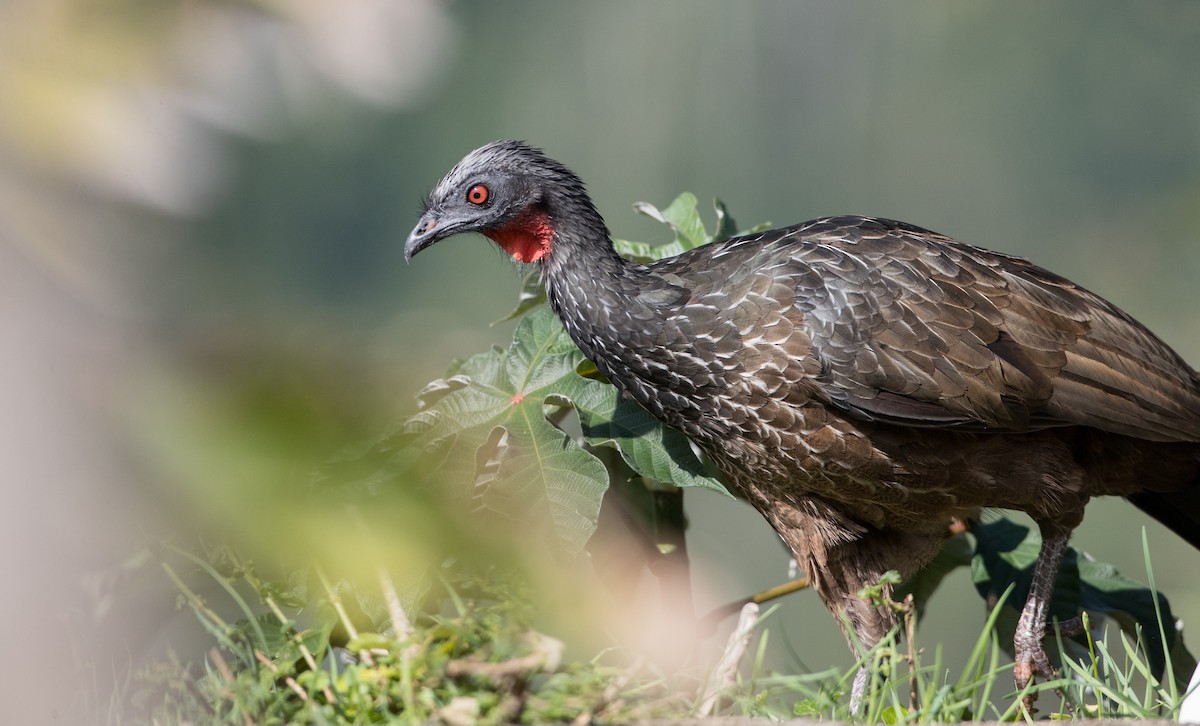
[861, 381]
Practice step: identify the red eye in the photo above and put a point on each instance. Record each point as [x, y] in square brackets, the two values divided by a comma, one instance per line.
[477, 194]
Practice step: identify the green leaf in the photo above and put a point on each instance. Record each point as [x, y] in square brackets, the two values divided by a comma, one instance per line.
[684, 220]
[500, 448]
[894, 715]
[683, 217]
[643, 252]
[1005, 553]
[369, 641]
[651, 449]
[726, 227]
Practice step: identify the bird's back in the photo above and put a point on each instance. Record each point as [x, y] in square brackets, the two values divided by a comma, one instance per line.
[892, 323]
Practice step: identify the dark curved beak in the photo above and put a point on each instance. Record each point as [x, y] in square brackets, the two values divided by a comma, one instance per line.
[428, 230]
[438, 224]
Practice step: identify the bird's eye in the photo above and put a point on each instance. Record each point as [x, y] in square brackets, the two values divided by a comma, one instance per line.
[478, 194]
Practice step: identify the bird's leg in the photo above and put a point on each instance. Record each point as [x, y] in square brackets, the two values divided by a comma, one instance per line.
[1031, 655]
[870, 623]
[867, 620]
[841, 559]
[859, 688]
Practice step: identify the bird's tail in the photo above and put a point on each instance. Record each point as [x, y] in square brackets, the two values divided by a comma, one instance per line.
[1178, 510]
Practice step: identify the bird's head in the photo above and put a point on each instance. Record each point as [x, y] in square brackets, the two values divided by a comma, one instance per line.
[507, 190]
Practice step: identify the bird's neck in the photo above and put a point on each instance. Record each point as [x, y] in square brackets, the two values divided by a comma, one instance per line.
[593, 289]
[620, 314]
[581, 243]
[589, 286]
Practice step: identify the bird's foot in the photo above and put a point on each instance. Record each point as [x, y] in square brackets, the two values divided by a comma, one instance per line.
[1031, 660]
[1030, 649]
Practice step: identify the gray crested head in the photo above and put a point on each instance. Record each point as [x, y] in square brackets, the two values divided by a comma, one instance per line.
[511, 192]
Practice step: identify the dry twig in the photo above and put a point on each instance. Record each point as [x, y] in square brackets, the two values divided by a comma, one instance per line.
[725, 674]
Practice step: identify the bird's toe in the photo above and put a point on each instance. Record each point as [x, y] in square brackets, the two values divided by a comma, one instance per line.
[1031, 661]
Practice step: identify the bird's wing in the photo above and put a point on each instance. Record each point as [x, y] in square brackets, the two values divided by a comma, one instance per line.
[912, 327]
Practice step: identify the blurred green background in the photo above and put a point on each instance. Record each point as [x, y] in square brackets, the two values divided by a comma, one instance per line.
[203, 206]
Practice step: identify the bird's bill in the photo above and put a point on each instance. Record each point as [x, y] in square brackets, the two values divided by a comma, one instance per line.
[432, 227]
[427, 231]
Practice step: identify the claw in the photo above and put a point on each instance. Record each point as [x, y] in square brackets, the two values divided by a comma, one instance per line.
[1029, 663]
[1032, 659]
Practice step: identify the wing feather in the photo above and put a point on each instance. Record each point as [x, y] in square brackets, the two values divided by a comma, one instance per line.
[912, 327]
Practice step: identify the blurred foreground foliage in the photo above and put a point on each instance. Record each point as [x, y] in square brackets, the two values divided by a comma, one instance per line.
[321, 652]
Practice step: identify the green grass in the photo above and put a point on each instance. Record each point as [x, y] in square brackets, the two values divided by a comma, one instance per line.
[911, 686]
[470, 657]
[313, 650]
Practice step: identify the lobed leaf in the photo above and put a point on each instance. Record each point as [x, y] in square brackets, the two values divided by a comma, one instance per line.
[530, 471]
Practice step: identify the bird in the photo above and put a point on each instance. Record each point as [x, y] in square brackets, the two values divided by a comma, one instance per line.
[861, 382]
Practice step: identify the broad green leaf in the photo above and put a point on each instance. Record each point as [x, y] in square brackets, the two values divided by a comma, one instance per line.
[368, 641]
[643, 252]
[652, 450]
[284, 642]
[683, 216]
[502, 452]
[894, 714]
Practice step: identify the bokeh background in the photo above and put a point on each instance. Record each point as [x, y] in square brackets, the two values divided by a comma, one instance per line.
[203, 203]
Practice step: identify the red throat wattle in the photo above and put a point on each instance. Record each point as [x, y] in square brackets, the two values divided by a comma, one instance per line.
[527, 236]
